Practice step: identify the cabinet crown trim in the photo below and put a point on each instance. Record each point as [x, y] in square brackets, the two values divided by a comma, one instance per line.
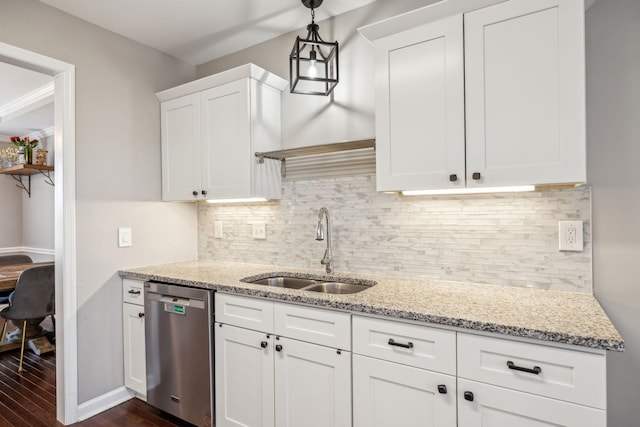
[251, 71]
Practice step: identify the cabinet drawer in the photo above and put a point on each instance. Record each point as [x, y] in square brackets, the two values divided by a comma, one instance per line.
[245, 312]
[315, 325]
[413, 345]
[132, 291]
[573, 376]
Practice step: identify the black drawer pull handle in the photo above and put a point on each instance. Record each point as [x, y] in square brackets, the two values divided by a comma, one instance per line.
[278, 347]
[134, 292]
[468, 395]
[397, 344]
[263, 344]
[442, 389]
[141, 315]
[453, 177]
[476, 176]
[536, 369]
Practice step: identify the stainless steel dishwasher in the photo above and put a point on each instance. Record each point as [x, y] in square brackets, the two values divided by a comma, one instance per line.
[179, 340]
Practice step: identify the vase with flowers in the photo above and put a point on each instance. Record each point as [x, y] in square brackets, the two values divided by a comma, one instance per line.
[25, 147]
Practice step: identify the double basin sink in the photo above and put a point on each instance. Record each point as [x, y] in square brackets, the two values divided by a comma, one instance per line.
[313, 285]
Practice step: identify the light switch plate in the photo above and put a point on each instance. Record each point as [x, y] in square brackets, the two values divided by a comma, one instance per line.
[125, 237]
[217, 230]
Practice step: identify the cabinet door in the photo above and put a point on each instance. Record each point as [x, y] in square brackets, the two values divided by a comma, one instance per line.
[493, 406]
[135, 372]
[525, 96]
[244, 377]
[226, 140]
[420, 108]
[180, 119]
[390, 394]
[313, 385]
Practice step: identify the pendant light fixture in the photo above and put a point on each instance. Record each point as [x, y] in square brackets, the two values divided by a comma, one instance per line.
[313, 62]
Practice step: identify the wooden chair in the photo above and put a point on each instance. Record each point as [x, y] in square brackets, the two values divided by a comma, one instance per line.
[33, 298]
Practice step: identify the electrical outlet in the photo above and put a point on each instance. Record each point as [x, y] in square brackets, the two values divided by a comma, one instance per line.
[217, 229]
[570, 236]
[259, 230]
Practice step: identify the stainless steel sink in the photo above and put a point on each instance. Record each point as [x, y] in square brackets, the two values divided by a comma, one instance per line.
[319, 284]
[285, 282]
[336, 288]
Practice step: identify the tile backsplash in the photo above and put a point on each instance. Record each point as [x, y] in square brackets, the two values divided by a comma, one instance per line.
[504, 239]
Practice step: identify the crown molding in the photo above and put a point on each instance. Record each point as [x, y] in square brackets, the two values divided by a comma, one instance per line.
[39, 134]
[27, 103]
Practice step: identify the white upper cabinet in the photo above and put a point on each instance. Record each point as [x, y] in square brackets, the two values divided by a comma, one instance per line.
[501, 105]
[211, 129]
[420, 107]
[525, 93]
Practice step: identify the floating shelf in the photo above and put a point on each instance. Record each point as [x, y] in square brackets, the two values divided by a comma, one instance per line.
[18, 171]
[283, 155]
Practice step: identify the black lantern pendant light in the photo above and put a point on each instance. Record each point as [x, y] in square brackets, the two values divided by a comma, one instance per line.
[313, 63]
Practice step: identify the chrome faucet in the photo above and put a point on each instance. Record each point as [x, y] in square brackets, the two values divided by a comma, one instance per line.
[328, 254]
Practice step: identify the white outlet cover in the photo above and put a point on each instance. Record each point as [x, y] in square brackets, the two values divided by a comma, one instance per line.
[259, 230]
[570, 236]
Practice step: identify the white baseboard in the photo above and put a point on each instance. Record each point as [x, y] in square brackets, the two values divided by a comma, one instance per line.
[102, 403]
[27, 249]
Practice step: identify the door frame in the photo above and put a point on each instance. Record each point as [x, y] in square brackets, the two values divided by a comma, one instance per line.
[64, 222]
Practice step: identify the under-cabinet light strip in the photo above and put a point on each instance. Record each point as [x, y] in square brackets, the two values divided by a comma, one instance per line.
[246, 200]
[475, 190]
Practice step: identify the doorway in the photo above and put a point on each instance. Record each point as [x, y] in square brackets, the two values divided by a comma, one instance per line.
[64, 221]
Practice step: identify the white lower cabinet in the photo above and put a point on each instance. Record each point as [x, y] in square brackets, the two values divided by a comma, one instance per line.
[484, 405]
[312, 385]
[135, 372]
[263, 379]
[335, 369]
[391, 394]
[244, 377]
[403, 374]
[506, 383]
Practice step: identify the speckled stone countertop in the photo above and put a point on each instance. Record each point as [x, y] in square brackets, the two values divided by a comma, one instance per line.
[555, 316]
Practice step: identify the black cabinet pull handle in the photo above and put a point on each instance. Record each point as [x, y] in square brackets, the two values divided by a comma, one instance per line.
[468, 395]
[476, 176]
[141, 315]
[134, 292]
[453, 177]
[204, 192]
[536, 369]
[397, 344]
[263, 344]
[442, 389]
[195, 193]
[278, 347]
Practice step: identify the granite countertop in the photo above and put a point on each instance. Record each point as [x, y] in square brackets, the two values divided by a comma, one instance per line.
[555, 316]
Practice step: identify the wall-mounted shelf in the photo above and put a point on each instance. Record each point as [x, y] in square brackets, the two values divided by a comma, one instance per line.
[283, 155]
[18, 171]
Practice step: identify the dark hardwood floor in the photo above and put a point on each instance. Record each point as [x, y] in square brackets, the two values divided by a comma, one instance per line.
[29, 398]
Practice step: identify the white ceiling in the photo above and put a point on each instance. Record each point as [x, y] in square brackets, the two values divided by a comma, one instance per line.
[198, 31]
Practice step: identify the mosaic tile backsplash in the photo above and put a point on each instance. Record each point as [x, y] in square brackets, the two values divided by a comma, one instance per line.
[506, 239]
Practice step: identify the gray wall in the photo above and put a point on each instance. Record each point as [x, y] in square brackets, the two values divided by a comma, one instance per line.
[38, 210]
[10, 210]
[117, 171]
[613, 130]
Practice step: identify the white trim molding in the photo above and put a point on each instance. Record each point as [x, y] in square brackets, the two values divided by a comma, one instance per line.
[101, 403]
[28, 102]
[65, 222]
[27, 249]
